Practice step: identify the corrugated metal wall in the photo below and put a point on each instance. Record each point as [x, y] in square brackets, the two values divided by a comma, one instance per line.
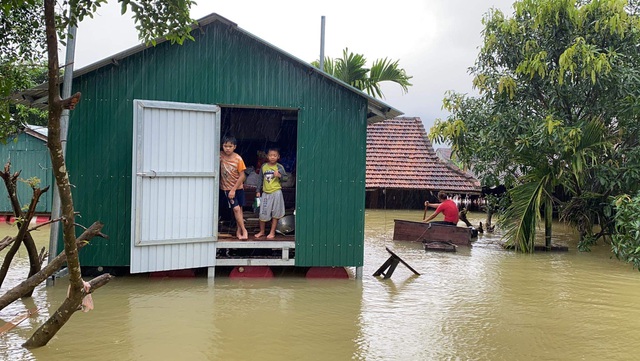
[30, 156]
[224, 67]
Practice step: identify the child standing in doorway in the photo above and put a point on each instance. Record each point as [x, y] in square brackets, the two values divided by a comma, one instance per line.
[272, 200]
[231, 182]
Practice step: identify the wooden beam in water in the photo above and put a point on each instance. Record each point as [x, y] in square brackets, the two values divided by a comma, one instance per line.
[389, 266]
[17, 320]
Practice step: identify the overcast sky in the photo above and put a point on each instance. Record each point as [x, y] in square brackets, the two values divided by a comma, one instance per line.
[435, 41]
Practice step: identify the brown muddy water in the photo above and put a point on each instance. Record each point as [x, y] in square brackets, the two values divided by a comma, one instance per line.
[481, 303]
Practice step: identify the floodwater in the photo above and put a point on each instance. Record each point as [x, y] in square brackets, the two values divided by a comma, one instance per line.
[481, 303]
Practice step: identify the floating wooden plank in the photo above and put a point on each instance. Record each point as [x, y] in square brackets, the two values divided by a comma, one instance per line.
[439, 246]
[17, 320]
[421, 231]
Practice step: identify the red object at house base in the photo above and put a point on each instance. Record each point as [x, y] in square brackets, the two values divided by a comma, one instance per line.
[327, 272]
[35, 220]
[251, 272]
[179, 273]
[42, 219]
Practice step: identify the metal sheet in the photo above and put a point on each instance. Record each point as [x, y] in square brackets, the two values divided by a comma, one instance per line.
[174, 215]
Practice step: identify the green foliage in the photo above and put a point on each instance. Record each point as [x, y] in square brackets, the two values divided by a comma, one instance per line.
[558, 111]
[351, 69]
[154, 19]
[19, 77]
[497, 203]
[21, 31]
[22, 42]
[32, 182]
[167, 18]
[625, 243]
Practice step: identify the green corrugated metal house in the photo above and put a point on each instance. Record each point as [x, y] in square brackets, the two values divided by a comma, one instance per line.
[144, 143]
[28, 154]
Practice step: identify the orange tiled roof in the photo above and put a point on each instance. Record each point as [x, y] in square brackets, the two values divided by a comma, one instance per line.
[400, 156]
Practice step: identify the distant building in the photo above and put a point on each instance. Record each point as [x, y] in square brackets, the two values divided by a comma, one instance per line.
[28, 153]
[403, 170]
[446, 155]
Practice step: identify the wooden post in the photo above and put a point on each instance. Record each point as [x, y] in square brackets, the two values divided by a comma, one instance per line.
[548, 221]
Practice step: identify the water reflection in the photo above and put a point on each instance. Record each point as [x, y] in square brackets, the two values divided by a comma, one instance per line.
[481, 303]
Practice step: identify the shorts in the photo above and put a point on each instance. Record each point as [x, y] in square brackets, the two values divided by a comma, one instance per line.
[271, 206]
[235, 202]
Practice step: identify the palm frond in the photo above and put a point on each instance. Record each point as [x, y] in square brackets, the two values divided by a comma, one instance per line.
[351, 69]
[328, 66]
[521, 217]
[388, 70]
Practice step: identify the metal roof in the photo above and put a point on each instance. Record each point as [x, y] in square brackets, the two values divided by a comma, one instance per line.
[37, 131]
[377, 110]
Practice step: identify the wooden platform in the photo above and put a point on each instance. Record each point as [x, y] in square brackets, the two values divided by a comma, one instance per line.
[421, 231]
[278, 251]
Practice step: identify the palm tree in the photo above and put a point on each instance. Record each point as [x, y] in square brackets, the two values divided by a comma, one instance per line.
[565, 169]
[351, 69]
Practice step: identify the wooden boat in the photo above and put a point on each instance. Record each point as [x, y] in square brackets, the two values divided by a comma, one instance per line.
[439, 246]
[421, 231]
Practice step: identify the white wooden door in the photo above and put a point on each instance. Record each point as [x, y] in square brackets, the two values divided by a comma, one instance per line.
[174, 212]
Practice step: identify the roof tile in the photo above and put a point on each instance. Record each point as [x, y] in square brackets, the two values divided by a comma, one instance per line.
[400, 155]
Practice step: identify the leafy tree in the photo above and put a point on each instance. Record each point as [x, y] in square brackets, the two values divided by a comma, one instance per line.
[351, 69]
[155, 19]
[557, 114]
[22, 34]
[626, 241]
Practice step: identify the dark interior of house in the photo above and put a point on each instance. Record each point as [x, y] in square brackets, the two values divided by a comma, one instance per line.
[256, 131]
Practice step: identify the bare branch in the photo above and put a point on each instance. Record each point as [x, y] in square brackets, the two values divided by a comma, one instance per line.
[26, 286]
[6, 241]
[70, 305]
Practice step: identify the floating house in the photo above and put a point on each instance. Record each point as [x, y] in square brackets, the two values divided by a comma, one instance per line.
[28, 153]
[403, 170]
[144, 142]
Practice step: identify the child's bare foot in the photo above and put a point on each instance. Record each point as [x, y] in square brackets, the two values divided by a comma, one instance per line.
[245, 235]
[271, 236]
[258, 235]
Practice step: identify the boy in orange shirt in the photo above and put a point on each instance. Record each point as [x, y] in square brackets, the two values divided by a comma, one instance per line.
[231, 182]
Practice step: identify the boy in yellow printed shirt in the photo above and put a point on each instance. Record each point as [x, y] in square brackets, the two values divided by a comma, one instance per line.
[272, 200]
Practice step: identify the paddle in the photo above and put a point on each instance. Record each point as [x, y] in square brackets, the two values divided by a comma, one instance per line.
[426, 205]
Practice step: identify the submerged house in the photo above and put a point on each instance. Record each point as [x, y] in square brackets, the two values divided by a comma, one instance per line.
[403, 170]
[28, 153]
[447, 156]
[144, 142]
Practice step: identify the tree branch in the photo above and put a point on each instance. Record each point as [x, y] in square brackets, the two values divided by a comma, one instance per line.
[21, 289]
[70, 305]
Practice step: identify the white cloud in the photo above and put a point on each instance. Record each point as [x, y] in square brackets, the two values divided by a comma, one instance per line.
[436, 41]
